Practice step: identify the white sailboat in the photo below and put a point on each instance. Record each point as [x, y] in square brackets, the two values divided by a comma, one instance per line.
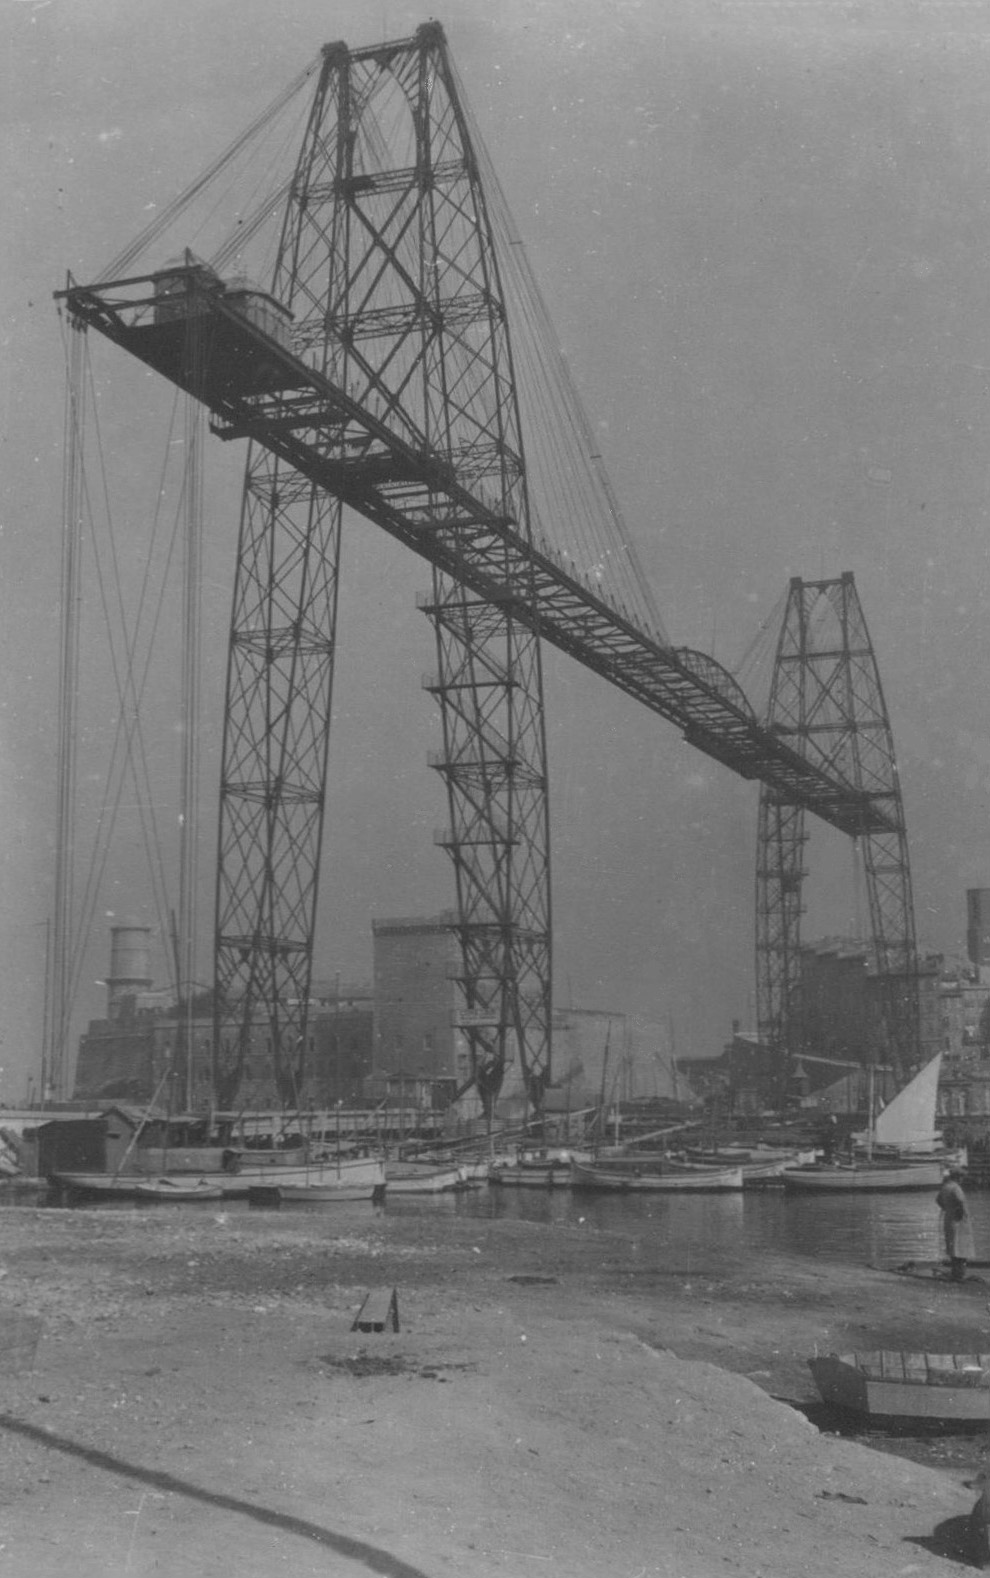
[906, 1125]
[900, 1149]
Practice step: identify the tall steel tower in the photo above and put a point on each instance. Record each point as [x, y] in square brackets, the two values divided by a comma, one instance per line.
[387, 264]
[826, 698]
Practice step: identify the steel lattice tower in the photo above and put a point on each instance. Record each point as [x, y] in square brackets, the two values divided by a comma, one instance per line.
[827, 698]
[388, 266]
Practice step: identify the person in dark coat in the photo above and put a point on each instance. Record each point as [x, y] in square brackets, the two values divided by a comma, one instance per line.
[957, 1224]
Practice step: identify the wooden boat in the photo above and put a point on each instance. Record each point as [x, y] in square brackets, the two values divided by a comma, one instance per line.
[96, 1186]
[530, 1175]
[403, 1179]
[891, 1384]
[838, 1177]
[906, 1124]
[713, 1180]
[769, 1168]
[897, 1150]
[177, 1188]
[279, 1194]
[246, 1174]
[760, 1164]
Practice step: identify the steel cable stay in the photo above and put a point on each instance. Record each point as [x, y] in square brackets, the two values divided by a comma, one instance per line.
[547, 386]
[219, 168]
[128, 729]
[128, 754]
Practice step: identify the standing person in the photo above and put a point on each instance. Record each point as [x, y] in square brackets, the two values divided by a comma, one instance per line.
[957, 1224]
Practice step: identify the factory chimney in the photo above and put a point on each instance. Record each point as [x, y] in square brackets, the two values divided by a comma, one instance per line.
[129, 967]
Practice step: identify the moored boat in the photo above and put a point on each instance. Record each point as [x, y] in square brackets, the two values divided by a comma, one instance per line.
[530, 1175]
[896, 1152]
[895, 1384]
[839, 1177]
[281, 1193]
[713, 1180]
[400, 1179]
[246, 1174]
[177, 1188]
[95, 1186]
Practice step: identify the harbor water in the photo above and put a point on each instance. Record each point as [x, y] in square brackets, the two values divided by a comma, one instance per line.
[700, 1233]
[706, 1233]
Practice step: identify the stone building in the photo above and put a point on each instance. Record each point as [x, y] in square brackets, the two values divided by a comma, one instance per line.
[418, 1047]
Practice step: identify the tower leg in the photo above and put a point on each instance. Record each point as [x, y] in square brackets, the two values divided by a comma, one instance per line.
[826, 697]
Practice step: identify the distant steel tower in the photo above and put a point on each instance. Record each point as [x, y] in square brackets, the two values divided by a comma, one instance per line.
[826, 698]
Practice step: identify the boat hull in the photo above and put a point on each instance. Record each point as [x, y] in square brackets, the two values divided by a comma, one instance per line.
[314, 1194]
[440, 1180]
[177, 1189]
[699, 1181]
[356, 1171]
[512, 1176]
[893, 1384]
[96, 1186]
[866, 1178]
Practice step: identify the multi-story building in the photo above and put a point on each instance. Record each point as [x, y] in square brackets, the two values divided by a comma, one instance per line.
[420, 1053]
[841, 1015]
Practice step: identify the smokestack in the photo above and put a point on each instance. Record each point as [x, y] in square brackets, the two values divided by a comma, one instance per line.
[129, 967]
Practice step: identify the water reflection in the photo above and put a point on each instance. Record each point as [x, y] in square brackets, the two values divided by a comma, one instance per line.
[879, 1229]
[705, 1232]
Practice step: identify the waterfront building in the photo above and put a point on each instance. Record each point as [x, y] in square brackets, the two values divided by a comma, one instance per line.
[399, 1043]
[420, 1055]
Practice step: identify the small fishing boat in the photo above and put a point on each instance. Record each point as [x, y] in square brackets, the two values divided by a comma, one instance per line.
[711, 1180]
[403, 1179]
[170, 1187]
[769, 1167]
[96, 1186]
[554, 1173]
[839, 1177]
[249, 1170]
[897, 1149]
[279, 1194]
[893, 1384]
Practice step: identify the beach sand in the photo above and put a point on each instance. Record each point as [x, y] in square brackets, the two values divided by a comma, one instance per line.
[556, 1401]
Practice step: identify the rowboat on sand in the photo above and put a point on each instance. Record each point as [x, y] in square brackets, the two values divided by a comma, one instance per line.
[895, 1384]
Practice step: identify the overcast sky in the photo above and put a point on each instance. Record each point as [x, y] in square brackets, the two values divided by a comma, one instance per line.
[762, 232]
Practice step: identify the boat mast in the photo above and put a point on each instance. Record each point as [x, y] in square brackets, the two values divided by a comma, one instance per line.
[60, 971]
[190, 708]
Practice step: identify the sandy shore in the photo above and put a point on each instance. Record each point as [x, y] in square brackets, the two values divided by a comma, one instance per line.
[555, 1401]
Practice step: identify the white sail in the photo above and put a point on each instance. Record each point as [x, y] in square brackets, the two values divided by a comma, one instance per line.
[908, 1120]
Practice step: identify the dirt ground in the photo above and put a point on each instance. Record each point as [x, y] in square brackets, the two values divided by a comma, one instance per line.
[556, 1400]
